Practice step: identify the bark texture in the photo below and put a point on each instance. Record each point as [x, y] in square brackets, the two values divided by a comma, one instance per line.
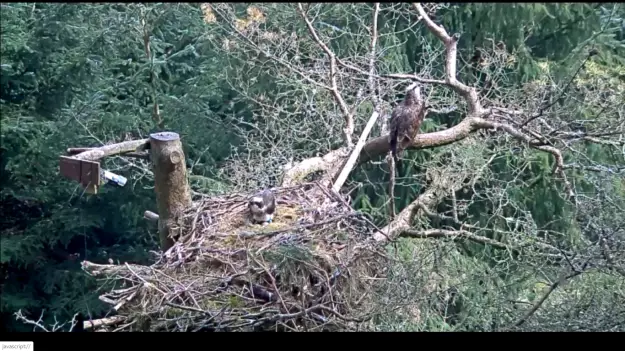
[171, 185]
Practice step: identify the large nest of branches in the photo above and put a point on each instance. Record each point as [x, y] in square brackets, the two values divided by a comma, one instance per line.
[308, 270]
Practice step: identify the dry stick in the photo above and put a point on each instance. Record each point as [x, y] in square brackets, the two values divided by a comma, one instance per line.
[552, 288]
[96, 323]
[391, 186]
[77, 150]
[304, 226]
[349, 165]
[150, 216]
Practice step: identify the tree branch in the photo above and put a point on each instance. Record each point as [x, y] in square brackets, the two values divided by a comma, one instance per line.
[451, 49]
[349, 118]
[98, 153]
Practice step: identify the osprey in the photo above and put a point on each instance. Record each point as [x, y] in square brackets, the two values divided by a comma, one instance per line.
[262, 207]
[406, 119]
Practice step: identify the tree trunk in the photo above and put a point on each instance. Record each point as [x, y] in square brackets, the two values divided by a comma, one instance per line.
[173, 194]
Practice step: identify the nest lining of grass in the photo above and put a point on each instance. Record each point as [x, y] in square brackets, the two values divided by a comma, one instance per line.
[309, 270]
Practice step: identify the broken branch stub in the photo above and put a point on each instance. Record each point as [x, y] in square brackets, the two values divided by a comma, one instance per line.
[173, 194]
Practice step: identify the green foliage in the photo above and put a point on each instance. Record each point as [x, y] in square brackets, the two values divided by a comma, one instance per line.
[78, 75]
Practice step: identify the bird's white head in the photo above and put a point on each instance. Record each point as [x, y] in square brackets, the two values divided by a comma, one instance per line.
[256, 202]
[414, 87]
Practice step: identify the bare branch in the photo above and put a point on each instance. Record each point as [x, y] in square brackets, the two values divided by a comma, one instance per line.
[451, 43]
[95, 154]
[544, 298]
[372, 58]
[98, 323]
[349, 118]
[452, 234]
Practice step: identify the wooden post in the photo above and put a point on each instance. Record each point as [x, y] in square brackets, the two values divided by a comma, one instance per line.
[173, 194]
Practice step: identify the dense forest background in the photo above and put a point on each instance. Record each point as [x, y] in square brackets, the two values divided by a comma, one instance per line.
[81, 75]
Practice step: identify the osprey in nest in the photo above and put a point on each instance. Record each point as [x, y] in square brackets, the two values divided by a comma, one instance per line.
[262, 207]
[405, 121]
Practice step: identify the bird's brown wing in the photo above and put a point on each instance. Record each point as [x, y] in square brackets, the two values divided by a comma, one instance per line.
[418, 115]
[394, 130]
[269, 201]
[400, 124]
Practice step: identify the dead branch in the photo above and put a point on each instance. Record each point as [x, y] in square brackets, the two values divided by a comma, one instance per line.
[451, 50]
[150, 216]
[53, 328]
[95, 269]
[140, 155]
[355, 153]
[435, 192]
[97, 323]
[94, 154]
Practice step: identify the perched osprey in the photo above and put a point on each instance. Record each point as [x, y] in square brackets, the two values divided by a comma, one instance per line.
[262, 207]
[406, 119]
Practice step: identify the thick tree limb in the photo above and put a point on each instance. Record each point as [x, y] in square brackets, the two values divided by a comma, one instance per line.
[435, 193]
[97, 323]
[379, 147]
[98, 153]
[77, 150]
[451, 48]
[327, 163]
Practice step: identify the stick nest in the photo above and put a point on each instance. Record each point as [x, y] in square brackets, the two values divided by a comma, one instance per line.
[309, 270]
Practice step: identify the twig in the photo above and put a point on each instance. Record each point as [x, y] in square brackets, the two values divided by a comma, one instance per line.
[542, 300]
[307, 226]
[391, 186]
[36, 324]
